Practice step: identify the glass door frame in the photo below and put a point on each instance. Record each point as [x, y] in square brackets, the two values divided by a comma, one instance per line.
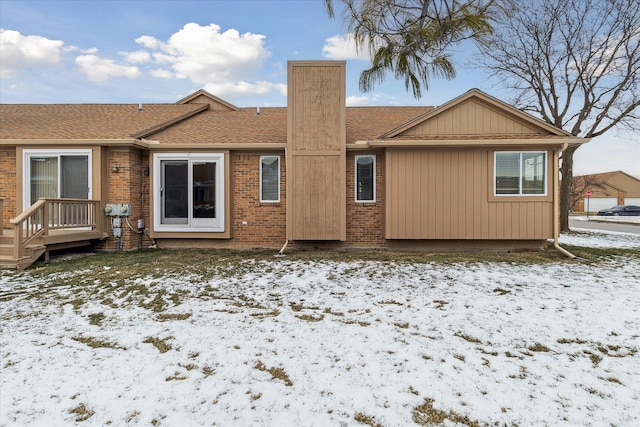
[30, 153]
[193, 224]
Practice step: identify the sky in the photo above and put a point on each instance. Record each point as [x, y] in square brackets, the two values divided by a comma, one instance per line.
[161, 51]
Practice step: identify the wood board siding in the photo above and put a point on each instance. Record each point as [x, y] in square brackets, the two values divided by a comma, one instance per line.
[448, 194]
[316, 151]
[472, 117]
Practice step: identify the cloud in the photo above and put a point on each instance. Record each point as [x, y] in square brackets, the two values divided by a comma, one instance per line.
[355, 101]
[161, 73]
[241, 88]
[205, 55]
[342, 47]
[99, 70]
[137, 57]
[18, 51]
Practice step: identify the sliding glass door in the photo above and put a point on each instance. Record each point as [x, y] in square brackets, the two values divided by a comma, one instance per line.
[56, 174]
[190, 189]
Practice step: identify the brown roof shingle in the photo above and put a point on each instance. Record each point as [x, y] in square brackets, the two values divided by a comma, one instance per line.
[270, 126]
[84, 121]
[123, 121]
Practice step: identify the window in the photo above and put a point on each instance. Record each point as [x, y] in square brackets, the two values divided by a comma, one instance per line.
[269, 178]
[520, 173]
[365, 178]
[189, 192]
[56, 174]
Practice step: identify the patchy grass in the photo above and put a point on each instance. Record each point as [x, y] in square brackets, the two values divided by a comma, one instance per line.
[203, 263]
[211, 290]
[276, 373]
[164, 317]
[82, 413]
[161, 344]
[427, 415]
[311, 317]
[97, 343]
[366, 419]
[468, 338]
[538, 347]
[96, 319]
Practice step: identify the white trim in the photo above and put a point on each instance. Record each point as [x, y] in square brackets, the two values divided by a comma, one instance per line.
[260, 178]
[218, 224]
[520, 153]
[355, 186]
[27, 154]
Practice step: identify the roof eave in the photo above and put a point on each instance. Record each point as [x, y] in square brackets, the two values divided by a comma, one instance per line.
[106, 142]
[396, 143]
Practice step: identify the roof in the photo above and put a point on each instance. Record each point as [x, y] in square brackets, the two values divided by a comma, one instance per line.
[246, 125]
[608, 184]
[202, 118]
[166, 122]
[86, 121]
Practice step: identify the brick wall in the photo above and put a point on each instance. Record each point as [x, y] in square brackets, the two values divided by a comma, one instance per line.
[264, 224]
[365, 221]
[256, 224]
[8, 184]
[128, 185]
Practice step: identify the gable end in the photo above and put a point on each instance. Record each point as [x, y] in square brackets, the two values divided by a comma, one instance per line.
[474, 114]
[203, 97]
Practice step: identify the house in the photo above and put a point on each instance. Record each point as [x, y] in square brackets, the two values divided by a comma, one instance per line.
[474, 173]
[606, 190]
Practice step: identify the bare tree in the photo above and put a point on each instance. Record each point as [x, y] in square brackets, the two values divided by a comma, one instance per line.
[575, 64]
[412, 38]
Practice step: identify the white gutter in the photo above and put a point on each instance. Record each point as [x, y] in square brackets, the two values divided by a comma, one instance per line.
[556, 204]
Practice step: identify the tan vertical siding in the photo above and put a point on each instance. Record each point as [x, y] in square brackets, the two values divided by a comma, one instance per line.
[316, 151]
[448, 194]
[472, 118]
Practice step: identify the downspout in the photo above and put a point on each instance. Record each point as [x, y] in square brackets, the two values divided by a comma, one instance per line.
[556, 203]
[281, 252]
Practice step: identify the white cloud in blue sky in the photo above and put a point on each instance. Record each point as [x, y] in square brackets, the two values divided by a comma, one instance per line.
[19, 51]
[343, 47]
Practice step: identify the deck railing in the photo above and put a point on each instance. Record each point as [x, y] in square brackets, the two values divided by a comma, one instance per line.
[46, 215]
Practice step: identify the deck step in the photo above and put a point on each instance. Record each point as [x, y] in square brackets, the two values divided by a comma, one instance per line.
[6, 249]
[32, 253]
[39, 245]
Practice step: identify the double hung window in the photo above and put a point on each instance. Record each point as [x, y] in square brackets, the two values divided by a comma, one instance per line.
[520, 173]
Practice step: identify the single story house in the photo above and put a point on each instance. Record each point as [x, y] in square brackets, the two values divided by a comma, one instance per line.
[474, 173]
[606, 190]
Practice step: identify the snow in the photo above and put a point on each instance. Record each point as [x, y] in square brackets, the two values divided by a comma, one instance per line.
[360, 337]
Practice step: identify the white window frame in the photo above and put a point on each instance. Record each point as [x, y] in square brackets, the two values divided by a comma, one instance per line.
[218, 224]
[260, 196]
[27, 154]
[520, 193]
[355, 186]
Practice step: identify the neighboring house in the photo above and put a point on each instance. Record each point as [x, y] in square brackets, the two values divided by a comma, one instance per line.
[607, 189]
[472, 173]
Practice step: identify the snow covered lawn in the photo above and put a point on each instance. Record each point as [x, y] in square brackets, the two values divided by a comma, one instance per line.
[297, 341]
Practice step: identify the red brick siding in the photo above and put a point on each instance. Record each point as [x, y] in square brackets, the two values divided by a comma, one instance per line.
[128, 185]
[365, 221]
[8, 184]
[265, 222]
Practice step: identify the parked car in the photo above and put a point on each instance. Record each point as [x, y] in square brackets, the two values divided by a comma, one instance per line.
[622, 210]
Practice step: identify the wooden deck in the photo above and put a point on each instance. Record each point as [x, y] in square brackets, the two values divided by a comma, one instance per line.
[67, 223]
